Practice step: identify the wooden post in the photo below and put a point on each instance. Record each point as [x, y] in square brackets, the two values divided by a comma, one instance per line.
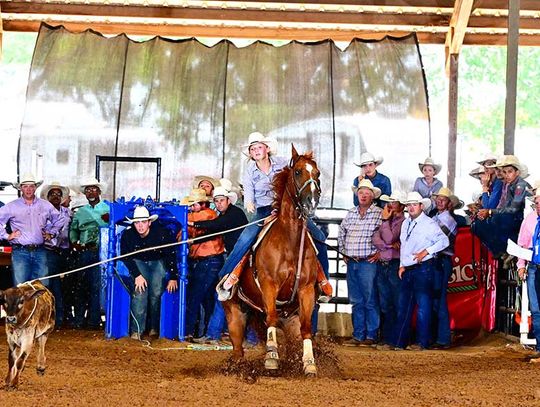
[1, 32]
[511, 76]
[452, 118]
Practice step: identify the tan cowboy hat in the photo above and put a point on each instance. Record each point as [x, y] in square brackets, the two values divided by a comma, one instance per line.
[257, 137]
[200, 178]
[367, 158]
[141, 213]
[221, 191]
[53, 185]
[229, 186]
[488, 157]
[456, 202]
[27, 178]
[535, 190]
[429, 161]
[196, 195]
[477, 172]
[396, 196]
[509, 160]
[365, 183]
[91, 182]
[447, 192]
[415, 197]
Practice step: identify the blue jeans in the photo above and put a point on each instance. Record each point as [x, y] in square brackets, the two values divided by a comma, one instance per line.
[149, 300]
[440, 304]
[533, 286]
[29, 264]
[202, 279]
[57, 262]
[416, 289]
[363, 298]
[388, 286]
[88, 291]
[496, 230]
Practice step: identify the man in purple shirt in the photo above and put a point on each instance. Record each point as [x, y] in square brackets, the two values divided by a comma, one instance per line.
[33, 221]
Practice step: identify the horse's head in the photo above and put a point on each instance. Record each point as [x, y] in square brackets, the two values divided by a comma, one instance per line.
[307, 186]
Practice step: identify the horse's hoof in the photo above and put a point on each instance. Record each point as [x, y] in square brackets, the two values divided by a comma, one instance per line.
[40, 371]
[310, 371]
[271, 364]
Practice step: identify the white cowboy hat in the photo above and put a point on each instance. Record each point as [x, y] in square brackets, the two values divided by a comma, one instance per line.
[91, 182]
[509, 160]
[365, 183]
[229, 186]
[53, 185]
[535, 190]
[27, 178]
[396, 196]
[257, 137]
[196, 195]
[415, 197]
[488, 157]
[477, 172]
[221, 191]
[200, 178]
[141, 213]
[447, 192]
[367, 158]
[429, 161]
[78, 201]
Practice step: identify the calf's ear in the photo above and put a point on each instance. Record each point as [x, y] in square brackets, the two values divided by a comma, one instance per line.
[33, 294]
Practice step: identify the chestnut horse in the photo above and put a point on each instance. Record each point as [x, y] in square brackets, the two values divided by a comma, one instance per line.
[281, 281]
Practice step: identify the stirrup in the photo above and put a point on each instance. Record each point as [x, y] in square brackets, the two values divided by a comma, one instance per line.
[223, 294]
[231, 280]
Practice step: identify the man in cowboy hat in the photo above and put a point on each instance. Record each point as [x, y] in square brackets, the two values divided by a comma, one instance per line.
[205, 261]
[495, 226]
[206, 183]
[529, 238]
[368, 164]
[443, 268]
[421, 238]
[428, 184]
[148, 269]
[492, 184]
[58, 247]
[84, 236]
[386, 240]
[355, 241]
[33, 221]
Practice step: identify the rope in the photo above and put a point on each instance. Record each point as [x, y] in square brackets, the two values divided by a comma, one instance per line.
[122, 256]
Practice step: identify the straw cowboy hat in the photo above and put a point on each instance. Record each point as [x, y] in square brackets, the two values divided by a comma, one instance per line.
[456, 202]
[477, 172]
[447, 192]
[429, 161]
[140, 214]
[415, 197]
[228, 185]
[365, 183]
[367, 158]
[27, 178]
[200, 178]
[257, 137]
[91, 182]
[509, 160]
[221, 191]
[196, 195]
[535, 190]
[488, 157]
[396, 196]
[53, 185]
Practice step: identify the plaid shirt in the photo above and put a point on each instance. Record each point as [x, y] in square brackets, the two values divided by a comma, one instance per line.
[356, 232]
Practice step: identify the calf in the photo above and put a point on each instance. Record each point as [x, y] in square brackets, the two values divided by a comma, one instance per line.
[30, 315]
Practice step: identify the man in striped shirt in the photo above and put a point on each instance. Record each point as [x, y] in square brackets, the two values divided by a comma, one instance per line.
[355, 241]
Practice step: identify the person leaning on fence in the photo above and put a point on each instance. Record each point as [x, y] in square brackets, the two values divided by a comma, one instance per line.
[355, 241]
[421, 239]
[368, 170]
[84, 235]
[529, 238]
[58, 247]
[386, 240]
[495, 226]
[428, 184]
[148, 269]
[443, 269]
[33, 221]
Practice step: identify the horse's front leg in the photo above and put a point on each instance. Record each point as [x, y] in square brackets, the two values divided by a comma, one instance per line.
[306, 298]
[236, 321]
[271, 361]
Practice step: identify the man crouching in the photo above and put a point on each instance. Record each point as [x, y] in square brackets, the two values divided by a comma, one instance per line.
[30, 315]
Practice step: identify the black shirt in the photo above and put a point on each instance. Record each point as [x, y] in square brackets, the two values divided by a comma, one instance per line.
[158, 235]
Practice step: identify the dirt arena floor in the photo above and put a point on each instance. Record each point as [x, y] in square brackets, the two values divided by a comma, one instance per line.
[85, 369]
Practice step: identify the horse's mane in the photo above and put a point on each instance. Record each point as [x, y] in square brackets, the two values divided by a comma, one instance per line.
[280, 180]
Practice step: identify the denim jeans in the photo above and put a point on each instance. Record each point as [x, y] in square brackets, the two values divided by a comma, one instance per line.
[496, 230]
[533, 286]
[202, 280]
[57, 262]
[88, 291]
[363, 298]
[416, 289]
[441, 325]
[388, 286]
[149, 300]
[29, 264]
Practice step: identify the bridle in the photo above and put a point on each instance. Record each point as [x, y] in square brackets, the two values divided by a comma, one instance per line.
[297, 199]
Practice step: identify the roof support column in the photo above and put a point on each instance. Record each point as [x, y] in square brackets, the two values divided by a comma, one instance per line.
[452, 118]
[511, 76]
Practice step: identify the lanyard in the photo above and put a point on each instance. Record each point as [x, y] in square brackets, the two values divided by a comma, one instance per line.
[409, 232]
[536, 243]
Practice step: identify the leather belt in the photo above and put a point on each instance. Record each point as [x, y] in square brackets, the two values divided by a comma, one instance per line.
[414, 266]
[205, 257]
[27, 246]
